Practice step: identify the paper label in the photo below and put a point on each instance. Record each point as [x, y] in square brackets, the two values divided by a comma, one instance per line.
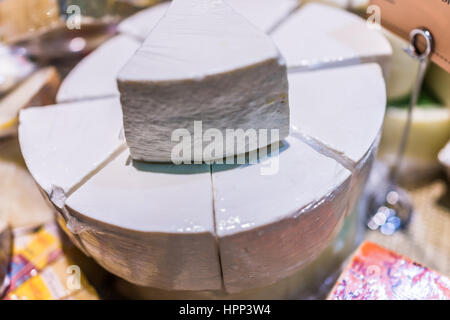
[402, 16]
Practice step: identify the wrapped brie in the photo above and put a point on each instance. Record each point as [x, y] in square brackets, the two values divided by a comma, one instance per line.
[218, 228]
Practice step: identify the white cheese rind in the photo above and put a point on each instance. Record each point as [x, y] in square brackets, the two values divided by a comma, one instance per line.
[269, 226]
[63, 144]
[264, 14]
[161, 215]
[203, 62]
[343, 108]
[319, 36]
[95, 75]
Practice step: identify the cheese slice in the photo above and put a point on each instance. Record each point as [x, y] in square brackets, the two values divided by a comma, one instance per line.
[95, 75]
[203, 62]
[320, 99]
[38, 89]
[160, 214]
[319, 36]
[269, 226]
[63, 144]
[265, 14]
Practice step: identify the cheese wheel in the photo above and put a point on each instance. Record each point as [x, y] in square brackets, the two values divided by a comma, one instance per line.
[123, 204]
[226, 228]
[318, 36]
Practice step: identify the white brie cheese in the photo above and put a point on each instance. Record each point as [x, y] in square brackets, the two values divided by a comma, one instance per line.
[202, 62]
[65, 143]
[221, 227]
[319, 36]
[95, 75]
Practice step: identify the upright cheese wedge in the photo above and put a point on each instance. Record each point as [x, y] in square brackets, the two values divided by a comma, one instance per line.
[95, 76]
[265, 14]
[318, 36]
[202, 62]
[64, 144]
[161, 215]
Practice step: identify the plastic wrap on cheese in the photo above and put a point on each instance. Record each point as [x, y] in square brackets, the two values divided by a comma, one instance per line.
[375, 273]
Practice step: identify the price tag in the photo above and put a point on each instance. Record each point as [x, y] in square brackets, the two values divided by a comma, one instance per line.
[402, 16]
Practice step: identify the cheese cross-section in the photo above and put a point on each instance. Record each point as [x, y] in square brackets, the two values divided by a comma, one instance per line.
[339, 110]
[95, 75]
[318, 36]
[202, 62]
[160, 214]
[65, 143]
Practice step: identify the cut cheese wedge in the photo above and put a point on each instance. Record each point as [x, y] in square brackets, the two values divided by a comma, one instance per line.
[358, 92]
[63, 144]
[269, 226]
[166, 209]
[265, 14]
[95, 76]
[318, 36]
[38, 89]
[223, 71]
